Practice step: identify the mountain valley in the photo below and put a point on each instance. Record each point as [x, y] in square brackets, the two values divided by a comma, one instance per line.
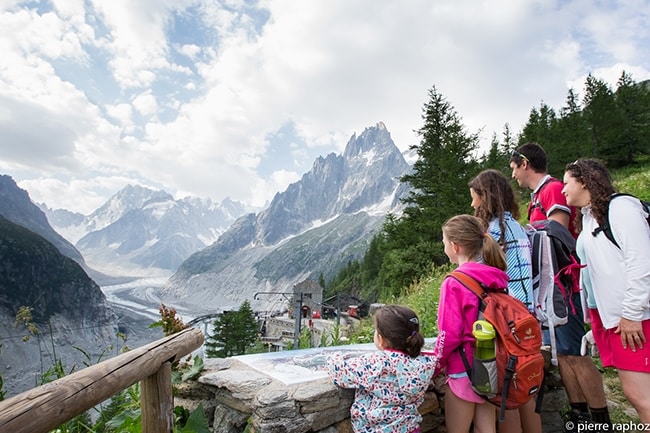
[143, 248]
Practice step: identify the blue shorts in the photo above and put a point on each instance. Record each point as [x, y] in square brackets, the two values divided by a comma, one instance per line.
[568, 337]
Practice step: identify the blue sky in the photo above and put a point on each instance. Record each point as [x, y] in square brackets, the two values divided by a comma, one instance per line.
[237, 98]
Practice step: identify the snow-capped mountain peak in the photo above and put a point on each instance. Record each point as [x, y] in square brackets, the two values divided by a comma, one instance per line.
[316, 225]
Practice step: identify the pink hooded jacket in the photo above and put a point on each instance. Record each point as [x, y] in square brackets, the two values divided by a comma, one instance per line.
[457, 311]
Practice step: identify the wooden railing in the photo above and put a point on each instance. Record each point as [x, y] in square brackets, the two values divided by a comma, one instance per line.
[42, 409]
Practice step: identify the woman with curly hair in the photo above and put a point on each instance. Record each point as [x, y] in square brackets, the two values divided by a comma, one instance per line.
[616, 280]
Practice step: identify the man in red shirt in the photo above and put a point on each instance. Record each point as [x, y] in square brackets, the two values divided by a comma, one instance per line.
[582, 380]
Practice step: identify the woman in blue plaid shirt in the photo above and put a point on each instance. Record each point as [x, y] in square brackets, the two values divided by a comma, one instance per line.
[495, 203]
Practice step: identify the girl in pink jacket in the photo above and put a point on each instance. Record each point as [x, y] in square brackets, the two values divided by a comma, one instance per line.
[479, 256]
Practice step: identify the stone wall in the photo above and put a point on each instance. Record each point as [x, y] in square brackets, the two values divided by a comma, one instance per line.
[236, 396]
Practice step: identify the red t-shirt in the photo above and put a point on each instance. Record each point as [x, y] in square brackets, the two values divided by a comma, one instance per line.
[548, 198]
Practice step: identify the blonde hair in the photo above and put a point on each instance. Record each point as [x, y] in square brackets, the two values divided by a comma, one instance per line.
[470, 233]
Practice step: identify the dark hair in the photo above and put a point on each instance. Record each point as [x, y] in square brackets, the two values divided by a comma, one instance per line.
[593, 174]
[469, 232]
[497, 198]
[534, 154]
[401, 327]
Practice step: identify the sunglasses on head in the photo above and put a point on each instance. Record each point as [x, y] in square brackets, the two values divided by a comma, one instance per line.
[516, 154]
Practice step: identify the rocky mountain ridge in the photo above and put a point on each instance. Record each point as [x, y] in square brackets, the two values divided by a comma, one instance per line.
[317, 225]
[63, 301]
[44, 272]
[144, 232]
[16, 206]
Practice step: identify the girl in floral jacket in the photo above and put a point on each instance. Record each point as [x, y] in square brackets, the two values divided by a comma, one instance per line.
[390, 383]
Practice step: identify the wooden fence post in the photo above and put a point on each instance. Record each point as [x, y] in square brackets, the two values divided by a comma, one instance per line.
[157, 402]
[41, 409]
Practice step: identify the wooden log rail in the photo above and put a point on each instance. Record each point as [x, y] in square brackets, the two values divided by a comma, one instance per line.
[42, 409]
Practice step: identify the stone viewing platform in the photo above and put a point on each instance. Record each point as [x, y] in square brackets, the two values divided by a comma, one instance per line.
[289, 392]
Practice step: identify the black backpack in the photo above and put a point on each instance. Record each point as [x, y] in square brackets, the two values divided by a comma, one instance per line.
[607, 229]
[556, 275]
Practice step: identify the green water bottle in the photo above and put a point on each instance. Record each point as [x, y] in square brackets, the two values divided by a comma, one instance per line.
[484, 333]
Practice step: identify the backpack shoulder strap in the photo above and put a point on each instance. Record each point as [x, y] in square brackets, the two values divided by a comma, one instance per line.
[469, 282]
[607, 228]
[536, 203]
[474, 286]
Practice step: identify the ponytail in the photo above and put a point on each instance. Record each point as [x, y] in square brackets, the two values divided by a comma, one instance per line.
[414, 344]
[492, 253]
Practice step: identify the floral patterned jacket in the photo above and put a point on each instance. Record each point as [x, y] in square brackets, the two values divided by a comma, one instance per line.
[390, 385]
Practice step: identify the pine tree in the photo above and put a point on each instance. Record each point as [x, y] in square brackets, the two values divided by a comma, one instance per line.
[612, 126]
[445, 164]
[634, 102]
[572, 135]
[370, 267]
[539, 128]
[233, 333]
[604, 120]
[498, 156]
[247, 329]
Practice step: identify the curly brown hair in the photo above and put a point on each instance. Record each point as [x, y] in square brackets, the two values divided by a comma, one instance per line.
[593, 174]
[497, 197]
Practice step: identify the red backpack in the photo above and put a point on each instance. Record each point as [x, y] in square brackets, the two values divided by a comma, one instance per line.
[519, 364]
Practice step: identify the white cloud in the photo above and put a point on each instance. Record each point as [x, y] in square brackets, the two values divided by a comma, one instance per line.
[192, 91]
[48, 34]
[609, 75]
[621, 33]
[80, 195]
[121, 112]
[137, 40]
[263, 191]
[190, 50]
[145, 103]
